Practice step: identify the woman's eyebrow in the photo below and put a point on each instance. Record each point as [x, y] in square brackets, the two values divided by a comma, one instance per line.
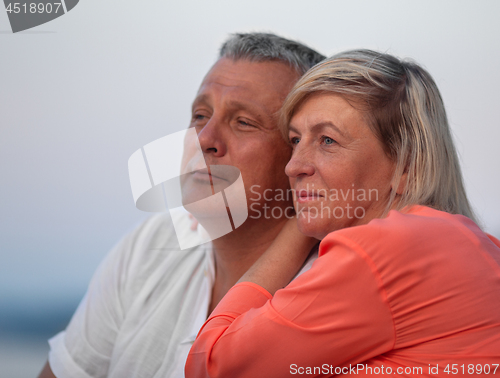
[291, 128]
[319, 126]
[327, 124]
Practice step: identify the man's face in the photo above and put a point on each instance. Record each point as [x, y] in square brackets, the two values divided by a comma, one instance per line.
[235, 117]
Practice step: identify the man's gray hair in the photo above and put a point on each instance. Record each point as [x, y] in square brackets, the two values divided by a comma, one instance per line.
[261, 47]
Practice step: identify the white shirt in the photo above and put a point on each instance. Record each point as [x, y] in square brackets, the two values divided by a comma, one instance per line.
[143, 308]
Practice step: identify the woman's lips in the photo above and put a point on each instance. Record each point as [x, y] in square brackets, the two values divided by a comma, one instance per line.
[304, 196]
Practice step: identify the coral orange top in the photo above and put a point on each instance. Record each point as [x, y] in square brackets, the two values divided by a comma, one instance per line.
[415, 294]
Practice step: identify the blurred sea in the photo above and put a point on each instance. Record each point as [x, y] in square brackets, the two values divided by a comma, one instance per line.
[25, 327]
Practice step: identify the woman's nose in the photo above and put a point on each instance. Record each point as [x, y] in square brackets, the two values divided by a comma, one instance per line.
[300, 164]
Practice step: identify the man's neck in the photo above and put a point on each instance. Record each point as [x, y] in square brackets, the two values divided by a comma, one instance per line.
[237, 251]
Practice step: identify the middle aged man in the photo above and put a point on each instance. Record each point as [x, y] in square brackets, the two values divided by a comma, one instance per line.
[148, 300]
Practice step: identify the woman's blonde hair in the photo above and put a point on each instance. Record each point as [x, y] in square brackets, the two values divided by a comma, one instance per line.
[406, 113]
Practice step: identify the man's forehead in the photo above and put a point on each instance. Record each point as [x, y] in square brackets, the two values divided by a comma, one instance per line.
[243, 72]
[247, 80]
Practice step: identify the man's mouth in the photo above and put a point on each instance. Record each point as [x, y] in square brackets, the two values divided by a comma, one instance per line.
[206, 175]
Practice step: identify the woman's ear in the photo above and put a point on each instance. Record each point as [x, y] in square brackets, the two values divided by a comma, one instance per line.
[401, 185]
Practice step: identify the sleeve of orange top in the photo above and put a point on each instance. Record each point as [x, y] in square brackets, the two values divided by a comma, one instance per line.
[335, 314]
[494, 240]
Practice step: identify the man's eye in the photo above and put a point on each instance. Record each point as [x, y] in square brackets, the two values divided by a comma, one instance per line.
[294, 141]
[198, 117]
[245, 123]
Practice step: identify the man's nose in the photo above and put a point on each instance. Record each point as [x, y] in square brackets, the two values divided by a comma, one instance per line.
[301, 164]
[211, 137]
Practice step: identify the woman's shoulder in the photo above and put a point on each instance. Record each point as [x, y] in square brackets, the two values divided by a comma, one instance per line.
[413, 227]
[416, 237]
[429, 265]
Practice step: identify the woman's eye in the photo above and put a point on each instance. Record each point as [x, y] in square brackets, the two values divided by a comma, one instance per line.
[328, 140]
[294, 141]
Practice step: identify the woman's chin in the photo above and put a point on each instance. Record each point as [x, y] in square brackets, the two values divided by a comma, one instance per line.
[314, 228]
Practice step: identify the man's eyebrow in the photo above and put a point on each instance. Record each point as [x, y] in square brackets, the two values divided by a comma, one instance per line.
[257, 110]
[203, 98]
[251, 106]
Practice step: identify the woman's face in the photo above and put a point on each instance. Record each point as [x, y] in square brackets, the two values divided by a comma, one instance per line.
[339, 171]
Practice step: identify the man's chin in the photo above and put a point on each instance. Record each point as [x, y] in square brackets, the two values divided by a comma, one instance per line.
[215, 224]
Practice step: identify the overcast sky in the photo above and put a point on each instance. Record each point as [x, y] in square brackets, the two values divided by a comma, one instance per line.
[80, 94]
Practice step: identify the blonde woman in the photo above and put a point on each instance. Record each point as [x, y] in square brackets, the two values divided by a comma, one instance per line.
[405, 283]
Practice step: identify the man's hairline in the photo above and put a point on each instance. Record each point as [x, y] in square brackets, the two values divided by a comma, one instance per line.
[248, 59]
[251, 59]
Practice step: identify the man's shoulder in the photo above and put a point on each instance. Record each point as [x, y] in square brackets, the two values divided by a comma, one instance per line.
[163, 231]
[153, 249]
